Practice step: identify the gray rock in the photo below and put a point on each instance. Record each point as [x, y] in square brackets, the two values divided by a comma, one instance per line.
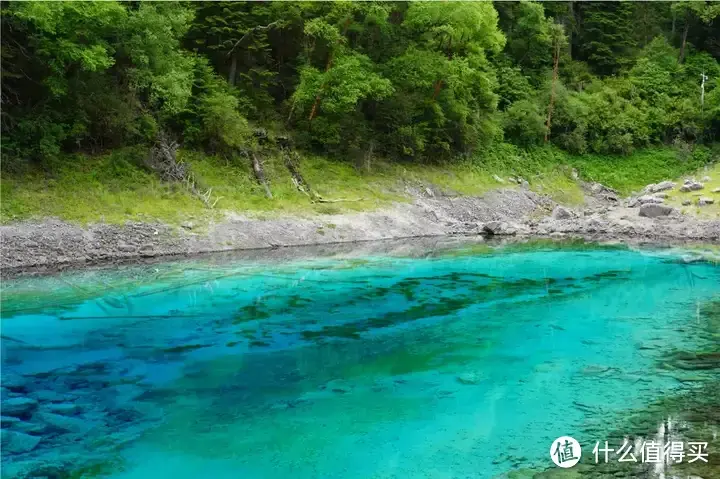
[14, 442]
[525, 185]
[653, 211]
[13, 381]
[126, 248]
[705, 201]
[65, 423]
[188, 225]
[662, 186]
[691, 185]
[501, 228]
[686, 202]
[706, 179]
[648, 199]
[716, 190]
[19, 407]
[562, 213]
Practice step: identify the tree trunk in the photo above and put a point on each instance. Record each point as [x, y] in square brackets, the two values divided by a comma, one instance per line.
[571, 26]
[233, 69]
[684, 40]
[316, 103]
[556, 64]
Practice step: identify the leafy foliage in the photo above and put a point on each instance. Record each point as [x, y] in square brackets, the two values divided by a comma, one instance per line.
[418, 81]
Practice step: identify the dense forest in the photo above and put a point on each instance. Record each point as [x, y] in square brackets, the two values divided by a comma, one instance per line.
[417, 81]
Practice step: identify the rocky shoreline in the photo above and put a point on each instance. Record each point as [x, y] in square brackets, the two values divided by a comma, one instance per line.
[32, 246]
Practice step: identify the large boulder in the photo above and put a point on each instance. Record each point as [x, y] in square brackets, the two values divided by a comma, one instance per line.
[651, 210]
[16, 442]
[19, 407]
[562, 213]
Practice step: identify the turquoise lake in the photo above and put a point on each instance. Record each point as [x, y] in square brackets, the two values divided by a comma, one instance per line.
[448, 361]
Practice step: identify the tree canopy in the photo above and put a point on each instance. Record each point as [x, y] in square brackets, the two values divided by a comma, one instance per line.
[418, 81]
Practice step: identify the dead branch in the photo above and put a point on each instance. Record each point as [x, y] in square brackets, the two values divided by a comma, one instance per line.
[163, 160]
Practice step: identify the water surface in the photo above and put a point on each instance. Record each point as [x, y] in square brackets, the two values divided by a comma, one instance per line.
[459, 362]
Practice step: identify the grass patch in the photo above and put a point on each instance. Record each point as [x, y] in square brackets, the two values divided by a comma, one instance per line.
[115, 188]
[631, 173]
[676, 198]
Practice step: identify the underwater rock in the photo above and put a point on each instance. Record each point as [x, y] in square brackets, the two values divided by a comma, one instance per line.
[470, 378]
[21, 407]
[48, 395]
[13, 381]
[6, 421]
[66, 409]
[16, 442]
[65, 423]
[27, 427]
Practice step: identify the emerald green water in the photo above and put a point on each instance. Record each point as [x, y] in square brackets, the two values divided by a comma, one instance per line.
[447, 363]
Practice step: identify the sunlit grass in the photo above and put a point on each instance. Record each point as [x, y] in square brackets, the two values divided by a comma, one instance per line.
[676, 197]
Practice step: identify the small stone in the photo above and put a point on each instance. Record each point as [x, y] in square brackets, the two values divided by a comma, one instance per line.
[575, 175]
[705, 201]
[716, 190]
[19, 407]
[188, 225]
[14, 442]
[126, 248]
[525, 185]
[498, 179]
[653, 211]
[686, 202]
[706, 179]
[429, 192]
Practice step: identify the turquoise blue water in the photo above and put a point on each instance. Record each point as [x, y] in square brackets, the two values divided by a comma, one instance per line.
[453, 363]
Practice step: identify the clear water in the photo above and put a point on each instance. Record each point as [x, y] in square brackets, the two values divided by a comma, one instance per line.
[465, 362]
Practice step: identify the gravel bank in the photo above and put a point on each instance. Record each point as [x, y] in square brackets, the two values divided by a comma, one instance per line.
[30, 246]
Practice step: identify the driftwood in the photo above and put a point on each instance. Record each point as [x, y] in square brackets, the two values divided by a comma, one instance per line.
[260, 174]
[292, 163]
[163, 160]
